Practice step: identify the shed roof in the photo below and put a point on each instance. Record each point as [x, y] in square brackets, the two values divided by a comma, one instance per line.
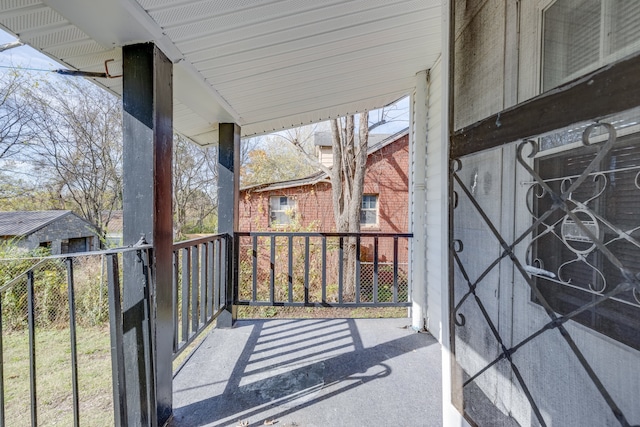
[264, 64]
[22, 223]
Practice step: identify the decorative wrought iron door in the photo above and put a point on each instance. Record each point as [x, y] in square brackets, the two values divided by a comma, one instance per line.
[545, 300]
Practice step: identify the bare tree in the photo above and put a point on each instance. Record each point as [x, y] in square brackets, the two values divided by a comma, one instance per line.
[347, 181]
[195, 176]
[15, 117]
[247, 145]
[77, 128]
[269, 160]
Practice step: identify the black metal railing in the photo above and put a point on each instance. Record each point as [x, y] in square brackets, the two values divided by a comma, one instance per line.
[322, 269]
[199, 286]
[50, 305]
[41, 296]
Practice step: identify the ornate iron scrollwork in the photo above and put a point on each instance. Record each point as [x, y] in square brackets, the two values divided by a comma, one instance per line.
[581, 229]
[570, 211]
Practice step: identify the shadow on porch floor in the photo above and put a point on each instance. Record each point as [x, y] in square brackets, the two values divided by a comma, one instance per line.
[304, 373]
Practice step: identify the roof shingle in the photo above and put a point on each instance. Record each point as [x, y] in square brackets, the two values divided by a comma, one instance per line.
[21, 223]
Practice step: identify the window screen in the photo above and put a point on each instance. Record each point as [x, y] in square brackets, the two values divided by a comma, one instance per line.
[608, 204]
[369, 210]
[281, 210]
[583, 35]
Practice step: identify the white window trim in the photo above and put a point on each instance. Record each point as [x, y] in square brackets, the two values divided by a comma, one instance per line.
[605, 56]
[377, 223]
[289, 212]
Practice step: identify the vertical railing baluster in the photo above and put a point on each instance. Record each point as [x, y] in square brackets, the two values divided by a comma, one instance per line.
[72, 338]
[375, 269]
[357, 278]
[395, 269]
[186, 288]
[218, 273]
[340, 269]
[235, 275]
[2, 415]
[145, 256]
[323, 273]
[210, 272]
[254, 268]
[195, 288]
[224, 276]
[203, 284]
[32, 347]
[290, 267]
[306, 269]
[272, 273]
[176, 278]
[117, 349]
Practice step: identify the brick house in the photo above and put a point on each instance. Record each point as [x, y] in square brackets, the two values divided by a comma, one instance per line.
[307, 201]
[305, 204]
[59, 230]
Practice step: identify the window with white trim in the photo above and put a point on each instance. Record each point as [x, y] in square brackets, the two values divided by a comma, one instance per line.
[369, 211]
[282, 210]
[580, 36]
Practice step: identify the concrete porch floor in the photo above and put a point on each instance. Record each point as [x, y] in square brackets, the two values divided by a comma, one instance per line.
[311, 372]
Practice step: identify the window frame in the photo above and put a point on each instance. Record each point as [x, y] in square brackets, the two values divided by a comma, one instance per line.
[614, 317]
[606, 54]
[289, 212]
[376, 209]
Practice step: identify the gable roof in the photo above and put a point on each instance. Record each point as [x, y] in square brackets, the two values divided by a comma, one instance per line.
[22, 223]
[321, 176]
[325, 139]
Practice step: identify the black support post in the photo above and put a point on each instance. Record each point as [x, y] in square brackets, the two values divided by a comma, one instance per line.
[228, 203]
[148, 134]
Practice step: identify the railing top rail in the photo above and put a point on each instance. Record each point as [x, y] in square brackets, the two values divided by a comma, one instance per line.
[193, 242]
[42, 259]
[110, 251]
[319, 234]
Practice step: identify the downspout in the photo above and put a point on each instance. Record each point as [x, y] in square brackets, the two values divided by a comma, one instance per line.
[418, 207]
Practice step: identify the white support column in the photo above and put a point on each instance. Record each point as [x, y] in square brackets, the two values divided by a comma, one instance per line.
[418, 206]
[451, 416]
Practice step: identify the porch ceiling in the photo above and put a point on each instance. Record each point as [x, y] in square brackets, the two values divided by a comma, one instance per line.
[264, 64]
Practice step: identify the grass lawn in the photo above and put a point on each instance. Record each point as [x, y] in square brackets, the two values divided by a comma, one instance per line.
[53, 364]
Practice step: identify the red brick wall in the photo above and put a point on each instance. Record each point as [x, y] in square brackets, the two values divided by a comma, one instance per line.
[387, 177]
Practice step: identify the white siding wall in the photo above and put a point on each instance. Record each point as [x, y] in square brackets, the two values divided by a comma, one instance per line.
[436, 204]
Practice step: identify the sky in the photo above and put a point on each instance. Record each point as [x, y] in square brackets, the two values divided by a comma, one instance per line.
[24, 56]
[27, 58]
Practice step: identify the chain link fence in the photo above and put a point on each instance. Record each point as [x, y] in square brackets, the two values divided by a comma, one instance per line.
[48, 342]
[385, 282]
[51, 293]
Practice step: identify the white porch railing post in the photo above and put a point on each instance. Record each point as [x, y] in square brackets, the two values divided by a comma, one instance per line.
[418, 205]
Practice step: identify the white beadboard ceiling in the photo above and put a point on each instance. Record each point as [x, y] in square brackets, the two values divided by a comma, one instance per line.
[264, 64]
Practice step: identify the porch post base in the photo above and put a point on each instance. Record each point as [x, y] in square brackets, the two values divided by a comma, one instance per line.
[227, 319]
